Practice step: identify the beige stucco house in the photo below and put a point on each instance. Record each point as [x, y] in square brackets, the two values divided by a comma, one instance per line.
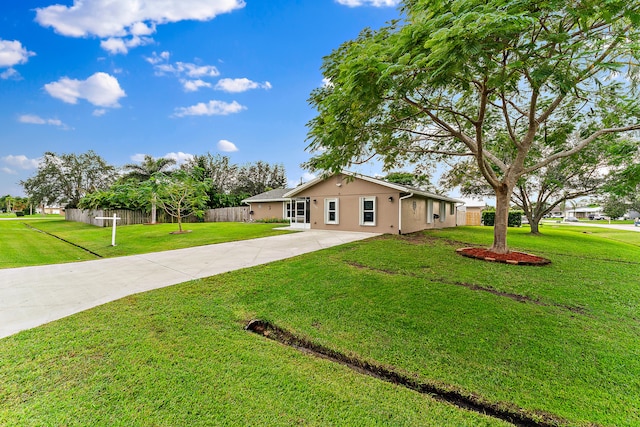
[268, 205]
[354, 202]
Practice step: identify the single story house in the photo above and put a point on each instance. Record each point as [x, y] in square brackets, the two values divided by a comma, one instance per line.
[352, 202]
[270, 204]
[584, 212]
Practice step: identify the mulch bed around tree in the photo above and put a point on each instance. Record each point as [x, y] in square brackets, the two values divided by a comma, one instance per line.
[516, 258]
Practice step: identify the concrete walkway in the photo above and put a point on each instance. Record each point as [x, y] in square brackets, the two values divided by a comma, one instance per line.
[32, 296]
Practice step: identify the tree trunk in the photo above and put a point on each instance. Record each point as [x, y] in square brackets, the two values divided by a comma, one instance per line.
[154, 215]
[535, 225]
[503, 197]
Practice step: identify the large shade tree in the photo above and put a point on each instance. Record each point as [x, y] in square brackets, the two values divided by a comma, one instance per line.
[490, 80]
[66, 178]
[589, 172]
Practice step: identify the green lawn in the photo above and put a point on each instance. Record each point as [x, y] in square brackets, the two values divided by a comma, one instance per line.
[24, 245]
[563, 339]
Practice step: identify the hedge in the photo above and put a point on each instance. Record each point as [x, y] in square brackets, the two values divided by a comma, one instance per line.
[515, 218]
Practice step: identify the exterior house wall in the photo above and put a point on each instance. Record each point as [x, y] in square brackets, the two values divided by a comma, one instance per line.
[348, 194]
[414, 214]
[267, 210]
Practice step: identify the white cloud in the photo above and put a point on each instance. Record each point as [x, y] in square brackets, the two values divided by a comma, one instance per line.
[101, 90]
[240, 85]
[138, 157]
[306, 177]
[194, 85]
[187, 69]
[212, 108]
[13, 53]
[21, 162]
[9, 73]
[190, 75]
[179, 157]
[156, 59]
[226, 146]
[37, 120]
[8, 171]
[117, 45]
[374, 3]
[123, 18]
[99, 112]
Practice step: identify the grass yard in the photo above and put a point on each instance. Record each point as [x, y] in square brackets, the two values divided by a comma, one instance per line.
[22, 245]
[561, 340]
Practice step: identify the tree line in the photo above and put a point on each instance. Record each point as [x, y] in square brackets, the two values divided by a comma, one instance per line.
[205, 181]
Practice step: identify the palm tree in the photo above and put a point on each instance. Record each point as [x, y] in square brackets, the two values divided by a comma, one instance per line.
[144, 171]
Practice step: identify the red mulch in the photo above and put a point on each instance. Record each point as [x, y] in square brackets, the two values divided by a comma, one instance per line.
[512, 257]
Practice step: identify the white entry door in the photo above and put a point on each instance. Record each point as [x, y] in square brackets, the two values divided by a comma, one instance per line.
[300, 214]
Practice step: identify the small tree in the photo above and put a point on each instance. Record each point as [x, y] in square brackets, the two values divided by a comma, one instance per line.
[144, 171]
[181, 194]
[614, 207]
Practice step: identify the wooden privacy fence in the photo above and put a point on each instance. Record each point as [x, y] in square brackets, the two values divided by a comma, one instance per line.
[127, 217]
[236, 214]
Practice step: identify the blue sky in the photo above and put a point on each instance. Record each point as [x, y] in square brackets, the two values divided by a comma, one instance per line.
[167, 77]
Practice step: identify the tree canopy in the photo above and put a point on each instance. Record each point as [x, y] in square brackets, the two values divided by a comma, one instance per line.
[495, 81]
[66, 178]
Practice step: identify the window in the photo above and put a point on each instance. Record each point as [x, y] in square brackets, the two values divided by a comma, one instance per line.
[368, 211]
[452, 208]
[443, 211]
[331, 211]
[287, 210]
[429, 211]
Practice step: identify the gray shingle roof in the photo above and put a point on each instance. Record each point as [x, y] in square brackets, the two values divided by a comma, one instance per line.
[276, 195]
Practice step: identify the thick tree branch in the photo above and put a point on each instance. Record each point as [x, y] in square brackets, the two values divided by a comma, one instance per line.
[580, 146]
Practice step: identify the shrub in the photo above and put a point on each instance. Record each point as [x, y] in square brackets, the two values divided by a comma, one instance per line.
[514, 220]
[19, 213]
[273, 220]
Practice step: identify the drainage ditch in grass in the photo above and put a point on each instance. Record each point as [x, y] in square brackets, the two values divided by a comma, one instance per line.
[513, 415]
[60, 238]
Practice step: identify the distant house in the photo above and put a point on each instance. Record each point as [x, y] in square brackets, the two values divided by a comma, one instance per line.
[584, 212]
[473, 211]
[352, 202]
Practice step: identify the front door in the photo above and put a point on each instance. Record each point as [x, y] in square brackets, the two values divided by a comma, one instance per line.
[300, 217]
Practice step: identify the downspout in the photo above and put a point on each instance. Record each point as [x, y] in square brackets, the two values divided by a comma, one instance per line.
[400, 211]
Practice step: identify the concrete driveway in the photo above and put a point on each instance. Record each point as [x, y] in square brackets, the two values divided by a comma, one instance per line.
[32, 296]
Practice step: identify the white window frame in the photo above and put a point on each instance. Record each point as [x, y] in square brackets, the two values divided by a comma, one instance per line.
[327, 202]
[286, 210]
[429, 211]
[452, 208]
[443, 210]
[362, 211]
